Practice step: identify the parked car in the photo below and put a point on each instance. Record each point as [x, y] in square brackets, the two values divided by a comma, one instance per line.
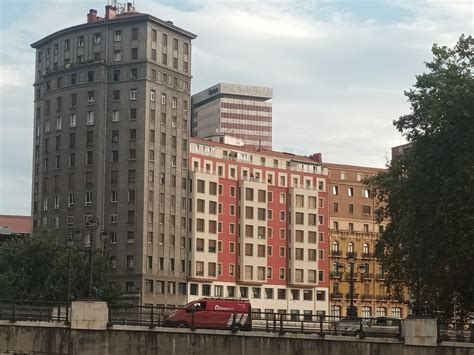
[383, 327]
[350, 325]
[212, 313]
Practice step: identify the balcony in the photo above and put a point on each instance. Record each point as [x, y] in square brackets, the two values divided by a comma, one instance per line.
[380, 277]
[348, 233]
[367, 296]
[367, 276]
[367, 255]
[336, 296]
[347, 276]
[336, 252]
[351, 254]
[335, 275]
[382, 297]
[348, 296]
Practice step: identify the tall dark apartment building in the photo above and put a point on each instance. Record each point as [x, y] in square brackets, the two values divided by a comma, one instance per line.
[112, 116]
[241, 111]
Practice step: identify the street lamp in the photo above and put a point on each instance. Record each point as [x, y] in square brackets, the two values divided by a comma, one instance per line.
[352, 311]
[69, 246]
[91, 226]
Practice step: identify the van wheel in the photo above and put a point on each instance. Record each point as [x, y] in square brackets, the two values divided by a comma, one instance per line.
[234, 328]
[182, 325]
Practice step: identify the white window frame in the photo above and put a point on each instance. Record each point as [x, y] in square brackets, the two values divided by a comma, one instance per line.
[133, 94]
[152, 95]
[90, 118]
[115, 115]
[73, 120]
[56, 202]
[88, 198]
[117, 36]
[70, 202]
[59, 121]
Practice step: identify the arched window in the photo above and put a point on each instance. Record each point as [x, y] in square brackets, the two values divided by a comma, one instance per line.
[350, 247]
[335, 246]
[365, 249]
[366, 312]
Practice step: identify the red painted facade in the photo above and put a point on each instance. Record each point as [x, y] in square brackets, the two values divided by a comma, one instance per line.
[228, 215]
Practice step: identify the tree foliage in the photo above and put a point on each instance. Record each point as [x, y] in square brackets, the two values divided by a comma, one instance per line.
[428, 193]
[35, 268]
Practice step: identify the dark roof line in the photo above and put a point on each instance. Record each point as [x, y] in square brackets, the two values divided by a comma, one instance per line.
[104, 22]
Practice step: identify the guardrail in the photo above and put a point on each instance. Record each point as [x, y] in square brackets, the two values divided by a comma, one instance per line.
[39, 311]
[153, 316]
[456, 331]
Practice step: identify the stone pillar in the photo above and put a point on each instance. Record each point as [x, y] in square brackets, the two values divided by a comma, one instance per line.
[89, 314]
[420, 331]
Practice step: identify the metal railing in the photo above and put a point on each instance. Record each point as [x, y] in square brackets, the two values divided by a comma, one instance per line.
[456, 331]
[38, 311]
[154, 316]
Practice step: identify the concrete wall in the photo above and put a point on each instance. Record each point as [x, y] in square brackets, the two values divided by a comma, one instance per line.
[57, 339]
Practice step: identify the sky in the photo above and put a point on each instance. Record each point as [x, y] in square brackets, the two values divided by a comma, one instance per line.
[338, 68]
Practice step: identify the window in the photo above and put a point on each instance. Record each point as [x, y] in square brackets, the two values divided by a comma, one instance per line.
[133, 94]
[116, 74]
[366, 193]
[88, 198]
[381, 311]
[350, 191]
[80, 41]
[90, 118]
[90, 76]
[396, 312]
[97, 38]
[72, 120]
[133, 114]
[116, 95]
[130, 262]
[90, 97]
[134, 54]
[335, 190]
[152, 95]
[89, 157]
[174, 103]
[365, 209]
[115, 116]
[134, 34]
[163, 99]
[117, 36]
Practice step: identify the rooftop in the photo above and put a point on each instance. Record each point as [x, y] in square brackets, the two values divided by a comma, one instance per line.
[260, 151]
[15, 224]
[112, 17]
[258, 93]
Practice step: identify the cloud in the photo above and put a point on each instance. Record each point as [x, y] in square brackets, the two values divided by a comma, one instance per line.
[338, 68]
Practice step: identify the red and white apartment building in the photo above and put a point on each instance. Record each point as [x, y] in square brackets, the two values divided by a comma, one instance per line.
[259, 227]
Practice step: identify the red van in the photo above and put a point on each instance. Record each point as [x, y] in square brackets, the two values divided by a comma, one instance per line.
[212, 313]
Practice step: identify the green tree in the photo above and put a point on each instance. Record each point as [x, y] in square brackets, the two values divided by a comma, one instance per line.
[428, 193]
[35, 268]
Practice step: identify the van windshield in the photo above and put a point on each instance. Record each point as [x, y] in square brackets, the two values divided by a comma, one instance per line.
[196, 305]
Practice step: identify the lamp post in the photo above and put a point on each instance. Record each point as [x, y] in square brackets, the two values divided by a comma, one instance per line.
[91, 226]
[352, 311]
[69, 245]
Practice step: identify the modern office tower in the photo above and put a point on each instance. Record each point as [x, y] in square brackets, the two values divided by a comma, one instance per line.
[353, 233]
[240, 111]
[259, 228]
[111, 136]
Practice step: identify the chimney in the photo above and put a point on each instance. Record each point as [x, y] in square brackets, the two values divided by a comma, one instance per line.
[110, 12]
[92, 16]
[317, 157]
